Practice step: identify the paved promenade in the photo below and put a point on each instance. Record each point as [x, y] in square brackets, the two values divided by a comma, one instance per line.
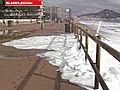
[23, 70]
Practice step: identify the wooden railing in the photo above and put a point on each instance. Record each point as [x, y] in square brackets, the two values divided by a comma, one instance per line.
[80, 30]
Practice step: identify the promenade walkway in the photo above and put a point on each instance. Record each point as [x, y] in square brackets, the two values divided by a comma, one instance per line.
[23, 70]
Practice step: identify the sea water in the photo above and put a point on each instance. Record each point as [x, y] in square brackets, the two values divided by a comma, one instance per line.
[109, 30]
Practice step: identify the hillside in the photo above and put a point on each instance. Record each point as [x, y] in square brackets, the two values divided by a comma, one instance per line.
[105, 14]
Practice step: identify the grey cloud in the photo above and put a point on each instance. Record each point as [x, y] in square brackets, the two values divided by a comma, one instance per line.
[86, 6]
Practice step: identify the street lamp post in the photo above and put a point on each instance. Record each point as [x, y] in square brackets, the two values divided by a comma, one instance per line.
[68, 25]
[41, 15]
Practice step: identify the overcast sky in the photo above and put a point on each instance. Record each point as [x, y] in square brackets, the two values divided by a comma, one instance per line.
[86, 6]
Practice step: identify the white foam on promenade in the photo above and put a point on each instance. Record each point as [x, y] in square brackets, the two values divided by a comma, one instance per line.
[70, 60]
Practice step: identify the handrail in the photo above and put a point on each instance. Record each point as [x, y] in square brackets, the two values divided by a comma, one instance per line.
[96, 66]
[103, 84]
[105, 46]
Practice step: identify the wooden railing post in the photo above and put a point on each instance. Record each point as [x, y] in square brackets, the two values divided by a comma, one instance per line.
[77, 32]
[98, 54]
[86, 45]
[72, 27]
[78, 35]
[81, 33]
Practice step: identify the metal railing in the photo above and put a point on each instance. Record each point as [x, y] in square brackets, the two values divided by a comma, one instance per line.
[80, 30]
